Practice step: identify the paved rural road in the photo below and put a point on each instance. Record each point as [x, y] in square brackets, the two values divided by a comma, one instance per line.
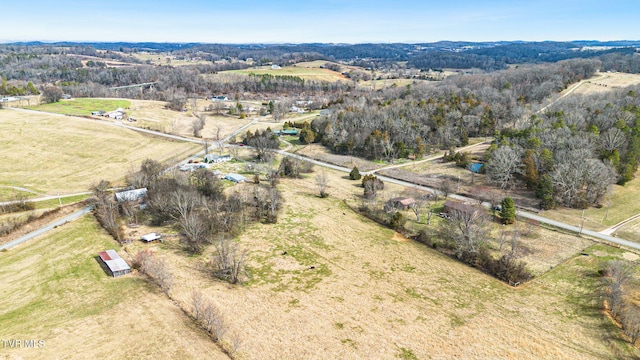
[395, 181]
[46, 228]
[45, 198]
[523, 214]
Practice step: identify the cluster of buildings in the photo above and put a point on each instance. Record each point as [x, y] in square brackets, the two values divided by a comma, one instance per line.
[117, 114]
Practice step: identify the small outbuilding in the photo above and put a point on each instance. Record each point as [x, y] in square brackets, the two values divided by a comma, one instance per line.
[151, 237]
[115, 265]
[131, 195]
[399, 203]
[236, 178]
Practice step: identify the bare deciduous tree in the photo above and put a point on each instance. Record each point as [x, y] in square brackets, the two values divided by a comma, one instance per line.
[198, 124]
[195, 231]
[156, 268]
[322, 181]
[467, 230]
[503, 166]
[227, 262]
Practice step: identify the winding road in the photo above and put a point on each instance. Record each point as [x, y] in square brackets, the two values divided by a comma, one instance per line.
[602, 236]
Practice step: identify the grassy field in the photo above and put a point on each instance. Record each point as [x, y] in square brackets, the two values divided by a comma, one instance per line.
[327, 283]
[54, 290]
[81, 106]
[623, 205]
[606, 82]
[305, 72]
[153, 115]
[50, 153]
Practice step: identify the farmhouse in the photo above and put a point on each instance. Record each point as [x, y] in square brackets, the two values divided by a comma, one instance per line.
[292, 132]
[236, 178]
[399, 203]
[219, 98]
[213, 158]
[115, 265]
[116, 114]
[131, 195]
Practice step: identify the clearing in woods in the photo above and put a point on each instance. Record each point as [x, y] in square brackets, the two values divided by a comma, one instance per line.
[54, 290]
[327, 283]
[301, 71]
[604, 82]
[49, 153]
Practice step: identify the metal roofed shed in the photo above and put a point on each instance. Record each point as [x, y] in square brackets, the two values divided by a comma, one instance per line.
[131, 195]
[236, 178]
[115, 265]
[151, 237]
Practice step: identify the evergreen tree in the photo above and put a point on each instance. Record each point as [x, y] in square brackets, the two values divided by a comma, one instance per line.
[508, 211]
[355, 174]
[545, 192]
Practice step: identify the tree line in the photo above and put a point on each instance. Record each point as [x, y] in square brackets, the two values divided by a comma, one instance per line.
[573, 151]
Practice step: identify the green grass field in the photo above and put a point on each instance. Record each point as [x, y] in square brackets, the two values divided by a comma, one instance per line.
[56, 279]
[81, 106]
[54, 290]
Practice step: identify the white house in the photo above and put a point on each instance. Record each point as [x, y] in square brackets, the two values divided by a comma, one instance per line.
[213, 158]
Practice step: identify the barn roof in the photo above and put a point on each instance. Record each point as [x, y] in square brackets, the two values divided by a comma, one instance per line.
[117, 265]
[113, 261]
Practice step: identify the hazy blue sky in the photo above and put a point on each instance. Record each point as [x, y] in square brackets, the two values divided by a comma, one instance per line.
[353, 21]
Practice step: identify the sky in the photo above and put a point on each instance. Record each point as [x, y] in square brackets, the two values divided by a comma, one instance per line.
[329, 21]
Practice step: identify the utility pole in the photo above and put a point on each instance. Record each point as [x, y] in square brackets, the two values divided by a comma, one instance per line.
[581, 222]
[59, 199]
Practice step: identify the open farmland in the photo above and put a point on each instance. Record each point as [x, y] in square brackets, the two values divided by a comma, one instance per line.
[604, 82]
[50, 153]
[304, 72]
[54, 290]
[155, 116]
[82, 106]
[327, 283]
